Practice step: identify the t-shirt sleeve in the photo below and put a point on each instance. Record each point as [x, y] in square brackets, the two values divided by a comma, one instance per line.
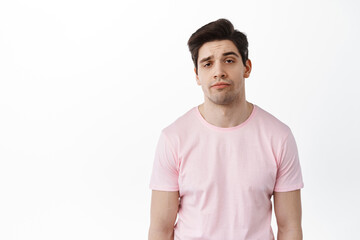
[165, 174]
[289, 176]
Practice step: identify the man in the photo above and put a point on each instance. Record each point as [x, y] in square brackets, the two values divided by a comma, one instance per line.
[218, 165]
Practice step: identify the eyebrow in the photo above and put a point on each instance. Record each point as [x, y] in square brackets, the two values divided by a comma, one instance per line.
[224, 54]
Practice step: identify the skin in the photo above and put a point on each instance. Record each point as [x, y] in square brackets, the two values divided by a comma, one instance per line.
[164, 209]
[287, 207]
[225, 107]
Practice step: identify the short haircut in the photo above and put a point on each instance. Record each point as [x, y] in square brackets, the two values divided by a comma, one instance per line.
[221, 29]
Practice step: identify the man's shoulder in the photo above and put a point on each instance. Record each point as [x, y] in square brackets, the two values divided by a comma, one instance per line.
[181, 124]
[267, 121]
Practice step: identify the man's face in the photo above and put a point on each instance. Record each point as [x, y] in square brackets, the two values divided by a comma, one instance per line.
[220, 62]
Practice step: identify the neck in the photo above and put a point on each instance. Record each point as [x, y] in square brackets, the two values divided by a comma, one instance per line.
[226, 116]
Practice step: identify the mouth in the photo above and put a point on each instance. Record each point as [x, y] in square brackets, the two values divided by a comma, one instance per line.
[220, 86]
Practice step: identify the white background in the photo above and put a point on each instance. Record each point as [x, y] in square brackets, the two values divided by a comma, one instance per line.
[87, 86]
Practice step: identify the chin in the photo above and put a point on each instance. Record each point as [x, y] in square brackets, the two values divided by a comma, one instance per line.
[223, 101]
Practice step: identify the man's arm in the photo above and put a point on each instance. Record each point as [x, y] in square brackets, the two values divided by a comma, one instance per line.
[287, 206]
[164, 209]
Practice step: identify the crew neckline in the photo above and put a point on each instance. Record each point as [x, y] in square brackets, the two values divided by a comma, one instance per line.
[207, 124]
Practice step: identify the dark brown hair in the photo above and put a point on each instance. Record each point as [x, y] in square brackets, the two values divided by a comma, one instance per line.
[221, 29]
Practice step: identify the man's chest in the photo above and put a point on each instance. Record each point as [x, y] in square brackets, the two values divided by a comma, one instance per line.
[227, 167]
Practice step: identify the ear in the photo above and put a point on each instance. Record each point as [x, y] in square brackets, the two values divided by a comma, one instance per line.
[197, 78]
[248, 67]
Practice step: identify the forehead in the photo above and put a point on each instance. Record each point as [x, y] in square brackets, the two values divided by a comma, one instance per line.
[217, 48]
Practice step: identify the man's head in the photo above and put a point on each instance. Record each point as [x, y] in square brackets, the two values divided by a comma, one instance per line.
[221, 29]
[220, 56]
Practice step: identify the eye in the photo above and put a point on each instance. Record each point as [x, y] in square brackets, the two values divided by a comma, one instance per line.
[229, 60]
[207, 65]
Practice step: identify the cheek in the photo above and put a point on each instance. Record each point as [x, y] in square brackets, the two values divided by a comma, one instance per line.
[206, 88]
[202, 80]
[239, 72]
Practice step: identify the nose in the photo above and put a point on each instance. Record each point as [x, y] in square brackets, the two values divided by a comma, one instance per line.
[219, 71]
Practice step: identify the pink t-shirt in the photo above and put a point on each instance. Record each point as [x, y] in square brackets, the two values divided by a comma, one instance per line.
[226, 176]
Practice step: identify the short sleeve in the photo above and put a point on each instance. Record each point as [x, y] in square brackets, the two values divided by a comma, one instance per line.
[165, 174]
[289, 175]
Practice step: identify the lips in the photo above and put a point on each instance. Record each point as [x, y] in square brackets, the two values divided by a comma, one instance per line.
[220, 84]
